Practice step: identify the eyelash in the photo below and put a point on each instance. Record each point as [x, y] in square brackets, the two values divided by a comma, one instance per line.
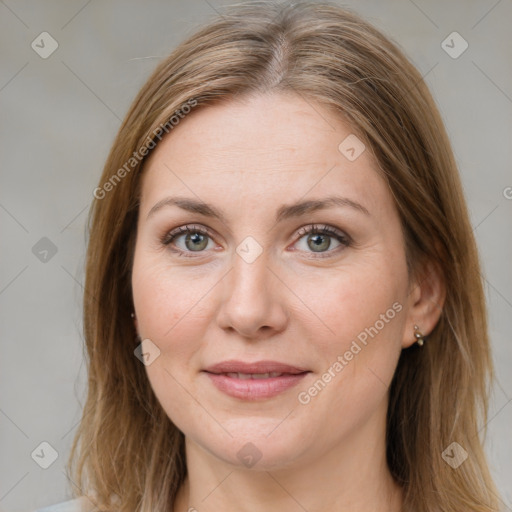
[344, 239]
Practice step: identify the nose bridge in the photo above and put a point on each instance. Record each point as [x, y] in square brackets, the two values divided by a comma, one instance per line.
[251, 299]
[250, 275]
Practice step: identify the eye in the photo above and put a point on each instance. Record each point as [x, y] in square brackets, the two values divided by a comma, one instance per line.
[320, 238]
[192, 238]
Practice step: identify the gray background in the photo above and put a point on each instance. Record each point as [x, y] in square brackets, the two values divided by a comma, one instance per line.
[59, 116]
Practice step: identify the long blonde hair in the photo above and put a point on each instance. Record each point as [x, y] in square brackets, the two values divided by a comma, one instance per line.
[127, 455]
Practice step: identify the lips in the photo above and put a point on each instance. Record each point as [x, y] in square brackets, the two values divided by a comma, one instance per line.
[253, 381]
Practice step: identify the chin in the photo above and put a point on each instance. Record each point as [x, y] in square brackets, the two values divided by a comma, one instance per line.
[255, 457]
[257, 444]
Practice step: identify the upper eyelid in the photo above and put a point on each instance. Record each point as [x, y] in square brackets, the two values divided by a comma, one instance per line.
[302, 231]
[186, 228]
[308, 228]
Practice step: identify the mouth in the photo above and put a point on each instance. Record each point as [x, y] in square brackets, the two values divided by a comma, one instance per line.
[254, 381]
[246, 376]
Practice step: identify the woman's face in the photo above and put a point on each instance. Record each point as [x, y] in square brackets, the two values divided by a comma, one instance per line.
[277, 321]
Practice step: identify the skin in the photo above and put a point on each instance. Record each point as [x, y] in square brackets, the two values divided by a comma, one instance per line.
[247, 157]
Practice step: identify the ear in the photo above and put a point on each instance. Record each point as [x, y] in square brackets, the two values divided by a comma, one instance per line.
[135, 323]
[426, 300]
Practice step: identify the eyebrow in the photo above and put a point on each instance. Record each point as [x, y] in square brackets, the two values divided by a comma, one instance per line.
[285, 212]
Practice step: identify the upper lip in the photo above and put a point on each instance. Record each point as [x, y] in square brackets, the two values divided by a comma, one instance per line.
[233, 366]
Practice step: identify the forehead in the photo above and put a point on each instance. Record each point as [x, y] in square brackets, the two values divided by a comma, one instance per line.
[270, 148]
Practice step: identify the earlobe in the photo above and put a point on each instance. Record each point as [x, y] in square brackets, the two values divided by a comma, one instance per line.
[426, 305]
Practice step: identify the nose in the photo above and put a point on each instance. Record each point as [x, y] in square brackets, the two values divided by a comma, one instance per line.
[253, 299]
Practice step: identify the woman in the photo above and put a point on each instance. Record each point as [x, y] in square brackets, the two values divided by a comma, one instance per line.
[283, 306]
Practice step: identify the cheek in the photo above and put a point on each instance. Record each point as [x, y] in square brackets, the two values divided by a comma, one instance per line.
[168, 299]
[348, 302]
[168, 307]
[361, 310]
[363, 306]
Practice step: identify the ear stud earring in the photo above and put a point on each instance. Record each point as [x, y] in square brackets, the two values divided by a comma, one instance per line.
[419, 336]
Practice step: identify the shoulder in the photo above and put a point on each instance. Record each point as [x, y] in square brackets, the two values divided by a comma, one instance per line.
[75, 505]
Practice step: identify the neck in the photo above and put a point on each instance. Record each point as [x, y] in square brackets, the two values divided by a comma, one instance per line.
[352, 476]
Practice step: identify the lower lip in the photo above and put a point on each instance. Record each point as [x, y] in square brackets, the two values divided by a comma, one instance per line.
[254, 389]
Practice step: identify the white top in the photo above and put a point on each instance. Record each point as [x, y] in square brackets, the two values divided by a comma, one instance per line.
[65, 506]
